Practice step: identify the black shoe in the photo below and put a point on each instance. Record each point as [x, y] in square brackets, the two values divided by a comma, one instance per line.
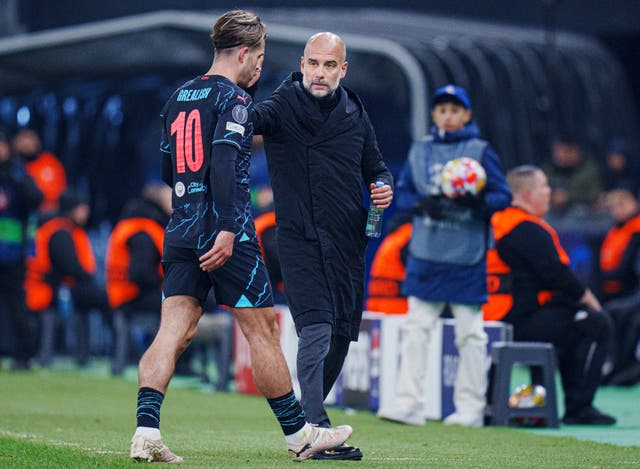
[340, 453]
[628, 376]
[588, 415]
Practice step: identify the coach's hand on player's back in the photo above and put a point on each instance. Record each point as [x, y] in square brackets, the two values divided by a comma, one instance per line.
[219, 253]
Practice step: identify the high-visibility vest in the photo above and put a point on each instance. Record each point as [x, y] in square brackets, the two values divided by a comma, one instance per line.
[37, 284]
[50, 177]
[262, 223]
[499, 279]
[612, 252]
[120, 288]
[387, 274]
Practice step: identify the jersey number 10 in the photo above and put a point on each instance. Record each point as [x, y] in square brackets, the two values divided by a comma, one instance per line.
[188, 141]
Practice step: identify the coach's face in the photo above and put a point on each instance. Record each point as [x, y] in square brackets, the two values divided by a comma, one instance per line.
[323, 66]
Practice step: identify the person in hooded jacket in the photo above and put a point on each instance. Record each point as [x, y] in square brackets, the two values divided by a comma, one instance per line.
[321, 148]
[447, 259]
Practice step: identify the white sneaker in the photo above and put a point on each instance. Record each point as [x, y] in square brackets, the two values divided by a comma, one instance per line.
[147, 450]
[401, 416]
[469, 419]
[319, 439]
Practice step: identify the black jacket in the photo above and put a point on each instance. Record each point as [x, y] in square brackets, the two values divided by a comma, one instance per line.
[318, 170]
[535, 265]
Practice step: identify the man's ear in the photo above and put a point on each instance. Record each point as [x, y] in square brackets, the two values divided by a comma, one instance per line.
[243, 54]
[343, 69]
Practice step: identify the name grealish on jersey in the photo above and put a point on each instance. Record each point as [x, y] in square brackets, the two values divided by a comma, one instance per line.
[205, 112]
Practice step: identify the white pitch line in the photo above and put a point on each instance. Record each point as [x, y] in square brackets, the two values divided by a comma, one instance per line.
[39, 439]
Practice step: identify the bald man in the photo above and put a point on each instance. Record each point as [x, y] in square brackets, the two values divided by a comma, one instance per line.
[321, 149]
[549, 304]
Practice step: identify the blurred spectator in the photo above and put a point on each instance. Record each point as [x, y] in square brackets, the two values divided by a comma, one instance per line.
[621, 170]
[539, 295]
[64, 263]
[18, 197]
[134, 271]
[620, 273]
[573, 177]
[384, 290]
[43, 166]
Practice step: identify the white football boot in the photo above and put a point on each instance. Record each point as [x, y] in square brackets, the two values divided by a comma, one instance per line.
[147, 450]
[316, 439]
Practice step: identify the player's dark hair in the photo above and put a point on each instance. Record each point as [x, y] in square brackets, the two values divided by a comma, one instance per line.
[236, 28]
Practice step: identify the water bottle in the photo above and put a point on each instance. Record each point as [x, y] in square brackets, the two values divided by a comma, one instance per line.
[374, 218]
[65, 302]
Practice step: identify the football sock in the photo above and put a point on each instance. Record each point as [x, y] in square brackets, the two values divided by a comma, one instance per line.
[148, 433]
[289, 413]
[299, 438]
[148, 411]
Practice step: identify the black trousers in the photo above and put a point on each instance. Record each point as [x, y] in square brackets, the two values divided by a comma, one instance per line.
[625, 313]
[582, 340]
[320, 358]
[22, 323]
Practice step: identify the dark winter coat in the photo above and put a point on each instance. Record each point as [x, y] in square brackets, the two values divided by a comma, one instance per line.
[318, 170]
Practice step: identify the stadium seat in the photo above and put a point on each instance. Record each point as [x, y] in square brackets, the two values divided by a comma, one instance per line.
[541, 360]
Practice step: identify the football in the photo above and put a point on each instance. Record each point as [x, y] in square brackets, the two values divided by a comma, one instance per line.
[527, 396]
[462, 176]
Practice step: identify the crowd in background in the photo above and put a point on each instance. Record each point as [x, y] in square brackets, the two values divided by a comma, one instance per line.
[34, 191]
[62, 285]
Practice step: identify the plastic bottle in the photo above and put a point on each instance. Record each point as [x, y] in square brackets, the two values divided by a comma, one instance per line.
[65, 302]
[374, 218]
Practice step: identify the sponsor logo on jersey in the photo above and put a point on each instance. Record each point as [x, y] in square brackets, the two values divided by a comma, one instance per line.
[195, 187]
[240, 114]
[233, 127]
[179, 188]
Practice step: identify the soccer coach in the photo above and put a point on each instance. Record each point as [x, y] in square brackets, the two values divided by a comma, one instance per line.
[321, 148]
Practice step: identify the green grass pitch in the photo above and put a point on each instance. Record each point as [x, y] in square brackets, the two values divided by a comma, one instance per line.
[76, 419]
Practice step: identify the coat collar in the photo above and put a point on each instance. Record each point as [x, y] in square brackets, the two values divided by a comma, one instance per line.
[306, 108]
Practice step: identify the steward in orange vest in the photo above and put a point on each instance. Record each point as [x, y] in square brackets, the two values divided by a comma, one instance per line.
[533, 288]
[64, 257]
[134, 270]
[387, 273]
[620, 250]
[134, 253]
[522, 292]
[620, 275]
